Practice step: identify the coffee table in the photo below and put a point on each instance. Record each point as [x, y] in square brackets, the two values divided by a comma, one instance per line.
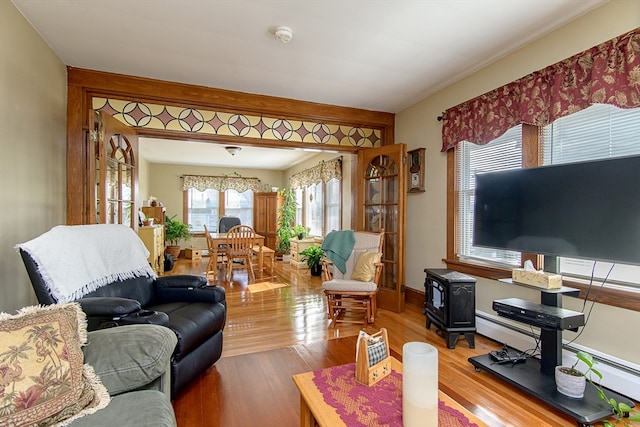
[314, 409]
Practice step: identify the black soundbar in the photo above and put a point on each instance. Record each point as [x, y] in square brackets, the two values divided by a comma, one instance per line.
[540, 315]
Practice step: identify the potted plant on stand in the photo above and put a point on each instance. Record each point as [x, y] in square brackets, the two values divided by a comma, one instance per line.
[313, 256]
[301, 231]
[174, 232]
[569, 377]
[570, 381]
[286, 218]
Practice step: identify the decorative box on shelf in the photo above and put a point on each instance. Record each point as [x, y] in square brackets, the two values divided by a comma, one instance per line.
[373, 361]
[539, 279]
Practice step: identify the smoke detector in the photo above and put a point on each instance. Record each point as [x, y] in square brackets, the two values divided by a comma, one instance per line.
[284, 34]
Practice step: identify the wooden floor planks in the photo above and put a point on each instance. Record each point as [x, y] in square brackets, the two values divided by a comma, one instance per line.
[275, 334]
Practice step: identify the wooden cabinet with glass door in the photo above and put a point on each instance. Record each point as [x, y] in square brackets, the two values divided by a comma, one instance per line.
[114, 150]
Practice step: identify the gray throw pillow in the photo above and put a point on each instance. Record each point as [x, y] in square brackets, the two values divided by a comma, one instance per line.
[129, 357]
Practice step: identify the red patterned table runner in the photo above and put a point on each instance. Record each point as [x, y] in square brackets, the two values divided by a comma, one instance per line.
[378, 405]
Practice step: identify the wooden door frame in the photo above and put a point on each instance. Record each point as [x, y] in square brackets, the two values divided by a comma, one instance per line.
[83, 85]
[388, 299]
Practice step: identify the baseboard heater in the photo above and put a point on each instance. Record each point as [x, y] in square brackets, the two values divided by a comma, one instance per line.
[619, 375]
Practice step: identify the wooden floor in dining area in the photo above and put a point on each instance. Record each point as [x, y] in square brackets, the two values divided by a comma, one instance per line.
[282, 329]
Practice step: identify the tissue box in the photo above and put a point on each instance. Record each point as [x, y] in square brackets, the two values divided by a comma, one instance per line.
[537, 278]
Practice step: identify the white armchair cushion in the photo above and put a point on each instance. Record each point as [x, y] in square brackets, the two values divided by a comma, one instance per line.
[345, 285]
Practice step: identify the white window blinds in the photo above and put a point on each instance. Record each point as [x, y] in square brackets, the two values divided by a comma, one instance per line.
[598, 132]
[503, 153]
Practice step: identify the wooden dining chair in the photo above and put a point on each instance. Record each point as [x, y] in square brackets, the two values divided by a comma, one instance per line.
[241, 240]
[213, 260]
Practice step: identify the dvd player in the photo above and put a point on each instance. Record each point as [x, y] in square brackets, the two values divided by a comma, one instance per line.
[543, 316]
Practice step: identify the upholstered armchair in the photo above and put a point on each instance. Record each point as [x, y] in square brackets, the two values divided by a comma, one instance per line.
[105, 268]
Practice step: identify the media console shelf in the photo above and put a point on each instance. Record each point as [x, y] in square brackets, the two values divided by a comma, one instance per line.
[536, 376]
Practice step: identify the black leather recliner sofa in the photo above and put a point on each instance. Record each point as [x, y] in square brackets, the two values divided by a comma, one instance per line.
[195, 311]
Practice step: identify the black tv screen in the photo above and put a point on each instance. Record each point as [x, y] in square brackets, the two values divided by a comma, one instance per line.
[588, 210]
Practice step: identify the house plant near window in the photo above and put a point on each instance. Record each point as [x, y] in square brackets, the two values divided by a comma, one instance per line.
[174, 232]
[300, 230]
[621, 411]
[313, 256]
[571, 381]
[286, 218]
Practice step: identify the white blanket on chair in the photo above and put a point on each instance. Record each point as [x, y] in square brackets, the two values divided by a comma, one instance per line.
[74, 260]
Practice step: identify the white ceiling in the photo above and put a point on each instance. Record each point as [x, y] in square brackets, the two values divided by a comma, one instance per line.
[377, 55]
[211, 154]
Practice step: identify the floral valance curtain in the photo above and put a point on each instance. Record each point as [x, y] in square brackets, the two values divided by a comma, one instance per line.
[605, 74]
[324, 171]
[221, 183]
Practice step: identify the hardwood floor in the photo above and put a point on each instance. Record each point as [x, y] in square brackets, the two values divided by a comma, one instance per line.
[251, 385]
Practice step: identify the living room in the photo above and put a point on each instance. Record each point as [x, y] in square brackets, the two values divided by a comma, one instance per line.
[34, 135]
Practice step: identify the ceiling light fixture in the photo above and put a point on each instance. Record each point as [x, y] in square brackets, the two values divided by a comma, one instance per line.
[284, 34]
[232, 150]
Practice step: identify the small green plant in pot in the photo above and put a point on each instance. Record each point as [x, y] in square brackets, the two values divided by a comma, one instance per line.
[174, 232]
[571, 381]
[300, 230]
[621, 411]
[313, 256]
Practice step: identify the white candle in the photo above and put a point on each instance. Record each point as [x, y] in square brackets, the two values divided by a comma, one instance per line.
[419, 385]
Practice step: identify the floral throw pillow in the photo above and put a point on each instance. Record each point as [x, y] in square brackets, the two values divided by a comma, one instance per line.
[43, 379]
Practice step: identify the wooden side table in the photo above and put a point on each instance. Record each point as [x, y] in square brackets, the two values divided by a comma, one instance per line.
[315, 411]
[298, 246]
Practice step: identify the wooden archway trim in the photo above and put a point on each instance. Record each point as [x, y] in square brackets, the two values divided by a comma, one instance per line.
[84, 84]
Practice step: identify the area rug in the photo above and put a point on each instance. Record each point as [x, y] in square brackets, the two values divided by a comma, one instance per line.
[362, 406]
[265, 286]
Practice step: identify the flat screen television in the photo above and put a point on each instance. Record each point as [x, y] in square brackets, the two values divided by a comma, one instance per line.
[588, 210]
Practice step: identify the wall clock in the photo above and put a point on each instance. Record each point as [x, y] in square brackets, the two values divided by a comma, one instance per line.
[416, 170]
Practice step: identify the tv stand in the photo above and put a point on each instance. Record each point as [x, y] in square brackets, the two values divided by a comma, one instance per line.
[537, 377]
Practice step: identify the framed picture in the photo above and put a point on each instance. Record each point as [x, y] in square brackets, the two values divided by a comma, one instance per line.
[416, 170]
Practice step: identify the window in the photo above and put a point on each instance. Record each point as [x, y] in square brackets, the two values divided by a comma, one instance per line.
[598, 132]
[202, 209]
[333, 207]
[500, 154]
[318, 196]
[314, 209]
[206, 207]
[299, 204]
[319, 207]
[240, 205]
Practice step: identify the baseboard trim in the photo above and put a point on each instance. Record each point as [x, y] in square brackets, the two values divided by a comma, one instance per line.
[414, 297]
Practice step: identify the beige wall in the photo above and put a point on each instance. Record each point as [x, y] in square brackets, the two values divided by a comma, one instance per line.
[33, 146]
[426, 219]
[143, 179]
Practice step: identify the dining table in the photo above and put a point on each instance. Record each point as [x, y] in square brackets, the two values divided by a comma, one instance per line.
[221, 239]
